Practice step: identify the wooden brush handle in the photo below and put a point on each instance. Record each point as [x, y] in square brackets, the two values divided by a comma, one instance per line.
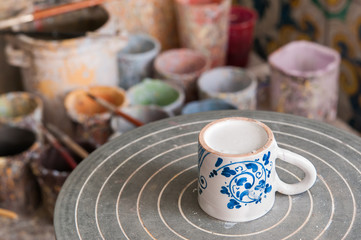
[63, 152]
[129, 118]
[49, 12]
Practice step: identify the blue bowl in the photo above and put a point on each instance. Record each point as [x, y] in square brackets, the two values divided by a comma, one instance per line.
[207, 105]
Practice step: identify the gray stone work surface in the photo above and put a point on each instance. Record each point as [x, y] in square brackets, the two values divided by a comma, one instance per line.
[143, 185]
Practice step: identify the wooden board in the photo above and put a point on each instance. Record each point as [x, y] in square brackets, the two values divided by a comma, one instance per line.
[142, 185]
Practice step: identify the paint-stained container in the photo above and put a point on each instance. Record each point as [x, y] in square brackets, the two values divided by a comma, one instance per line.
[51, 65]
[304, 80]
[135, 60]
[19, 190]
[154, 17]
[91, 121]
[51, 171]
[203, 25]
[22, 109]
[231, 84]
[182, 66]
[167, 95]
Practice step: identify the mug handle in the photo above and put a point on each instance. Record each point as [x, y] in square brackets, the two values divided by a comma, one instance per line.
[305, 165]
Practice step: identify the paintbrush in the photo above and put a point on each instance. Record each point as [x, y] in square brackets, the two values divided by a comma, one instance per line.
[76, 148]
[49, 12]
[115, 110]
[54, 142]
[8, 214]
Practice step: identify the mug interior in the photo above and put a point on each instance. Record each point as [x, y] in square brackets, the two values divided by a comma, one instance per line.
[236, 136]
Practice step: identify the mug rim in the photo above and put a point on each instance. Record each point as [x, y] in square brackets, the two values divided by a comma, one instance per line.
[269, 132]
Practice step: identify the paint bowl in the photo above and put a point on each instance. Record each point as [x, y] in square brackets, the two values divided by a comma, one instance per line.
[231, 84]
[240, 41]
[91, 120]
[207, 105]
[145, 114]
[163, 94]
[82, 52]
[135, 60]
[22, 109]
[19, 190]
[304, 80]
[182, 66]
[203, 25]
[51, 170]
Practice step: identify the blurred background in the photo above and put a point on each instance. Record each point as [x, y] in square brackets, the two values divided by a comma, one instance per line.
[150, 60]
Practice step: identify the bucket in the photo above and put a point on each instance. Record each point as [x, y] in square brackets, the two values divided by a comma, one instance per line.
[53, 65]
[90, 120]
[304, 80]
[19, 191]
[22, 109]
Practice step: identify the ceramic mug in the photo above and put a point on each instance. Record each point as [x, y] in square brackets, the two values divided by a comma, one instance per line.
[237, 178]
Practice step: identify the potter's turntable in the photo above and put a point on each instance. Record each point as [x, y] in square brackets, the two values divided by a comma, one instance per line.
[142, 185]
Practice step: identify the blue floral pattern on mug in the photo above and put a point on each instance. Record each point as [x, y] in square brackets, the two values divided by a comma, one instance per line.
[202, 154]
[247, 179]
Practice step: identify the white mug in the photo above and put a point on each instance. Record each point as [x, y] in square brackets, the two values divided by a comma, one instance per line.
[237, 178]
